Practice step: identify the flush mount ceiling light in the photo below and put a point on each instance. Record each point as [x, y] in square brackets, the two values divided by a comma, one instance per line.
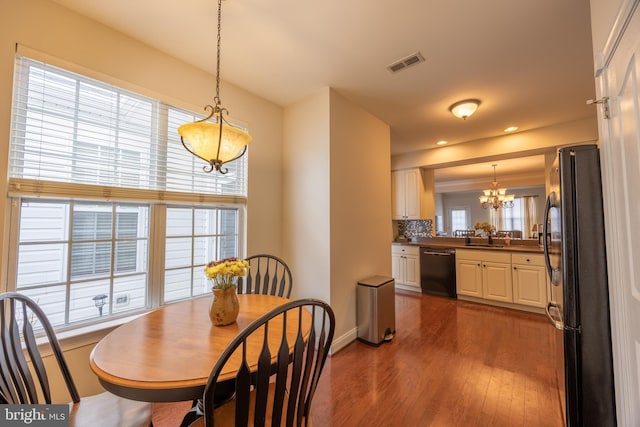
[511, 129]
[465, 108]
[496, 197]
[443, 142]
[215, 143]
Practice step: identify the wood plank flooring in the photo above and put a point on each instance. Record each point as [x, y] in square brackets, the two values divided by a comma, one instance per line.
[451, 363]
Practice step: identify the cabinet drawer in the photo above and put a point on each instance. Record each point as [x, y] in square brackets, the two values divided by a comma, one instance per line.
[477, 255]
[405, 250]
[528, 259]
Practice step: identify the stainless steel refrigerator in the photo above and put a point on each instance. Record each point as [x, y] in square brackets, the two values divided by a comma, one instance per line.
[574, 248]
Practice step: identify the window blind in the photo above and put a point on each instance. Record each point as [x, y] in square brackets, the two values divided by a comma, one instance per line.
[75, 136]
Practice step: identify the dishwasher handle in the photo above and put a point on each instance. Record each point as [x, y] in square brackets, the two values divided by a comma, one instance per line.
[437, 253]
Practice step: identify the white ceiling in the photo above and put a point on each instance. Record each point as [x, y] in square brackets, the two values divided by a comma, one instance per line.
[529, 62]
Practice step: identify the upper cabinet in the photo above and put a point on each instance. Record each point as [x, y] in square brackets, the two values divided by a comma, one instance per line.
[408, 194]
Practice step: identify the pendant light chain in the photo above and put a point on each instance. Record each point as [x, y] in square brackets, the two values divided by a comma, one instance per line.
[217, 98]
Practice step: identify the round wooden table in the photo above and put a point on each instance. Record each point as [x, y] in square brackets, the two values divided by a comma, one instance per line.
[167, 355]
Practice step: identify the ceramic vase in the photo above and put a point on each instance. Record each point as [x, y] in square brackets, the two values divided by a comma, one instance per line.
[224, 307]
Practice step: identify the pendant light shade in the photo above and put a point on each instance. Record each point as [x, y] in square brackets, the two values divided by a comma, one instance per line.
[215, 143]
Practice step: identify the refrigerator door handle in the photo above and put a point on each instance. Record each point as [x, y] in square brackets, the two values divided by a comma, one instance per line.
[556, 321]
[554, 273]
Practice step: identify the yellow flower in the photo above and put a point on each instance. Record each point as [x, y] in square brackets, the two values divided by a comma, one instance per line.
[224, 272]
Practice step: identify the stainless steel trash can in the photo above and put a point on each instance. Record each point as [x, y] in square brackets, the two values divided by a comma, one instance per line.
[376, 309]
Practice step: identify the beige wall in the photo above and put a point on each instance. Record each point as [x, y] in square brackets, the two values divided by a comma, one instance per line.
[306, 195]
[48, 28]
[337, 201]
[360, 206]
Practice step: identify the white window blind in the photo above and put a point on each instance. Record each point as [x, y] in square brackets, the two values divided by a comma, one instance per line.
[71, 134]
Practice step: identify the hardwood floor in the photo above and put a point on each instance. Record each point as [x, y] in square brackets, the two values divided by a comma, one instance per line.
[451, 363]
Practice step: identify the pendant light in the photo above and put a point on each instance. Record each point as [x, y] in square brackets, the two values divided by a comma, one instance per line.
[215, 143]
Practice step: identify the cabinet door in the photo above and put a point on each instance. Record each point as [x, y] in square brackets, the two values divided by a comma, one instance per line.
[398, 194]
[529, 285]
[412, 271]
[412, 189]
[469, 278]
[496, 281]
[397, 268]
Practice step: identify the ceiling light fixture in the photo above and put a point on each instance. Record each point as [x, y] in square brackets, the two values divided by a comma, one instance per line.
[215, 143]
[465, 108]
[496, 197]
[443, 142]
[511, 129]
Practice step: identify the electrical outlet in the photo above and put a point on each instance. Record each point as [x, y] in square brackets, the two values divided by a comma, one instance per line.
[122, 299]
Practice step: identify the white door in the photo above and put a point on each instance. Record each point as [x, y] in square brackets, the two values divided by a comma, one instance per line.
[620, 155]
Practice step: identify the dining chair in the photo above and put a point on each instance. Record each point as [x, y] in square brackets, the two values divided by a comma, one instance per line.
[276, 389]
[267, 275]
[24, 324]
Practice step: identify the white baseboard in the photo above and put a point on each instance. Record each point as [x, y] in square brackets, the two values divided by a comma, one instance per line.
[408, 288]
[344, 340]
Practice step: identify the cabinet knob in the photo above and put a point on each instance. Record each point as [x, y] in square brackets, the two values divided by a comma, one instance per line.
[528, 260]
[515, 268]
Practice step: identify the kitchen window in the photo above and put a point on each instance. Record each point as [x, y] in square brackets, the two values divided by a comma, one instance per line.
[105, 201]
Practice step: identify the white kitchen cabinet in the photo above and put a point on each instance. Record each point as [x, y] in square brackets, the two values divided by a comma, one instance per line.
[405, 265]
[529, 280]
[468, 277]
[484, 274]
[407, 189]
[497, 281]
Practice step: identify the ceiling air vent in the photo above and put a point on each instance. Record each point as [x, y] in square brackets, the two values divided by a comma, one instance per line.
[406, 62]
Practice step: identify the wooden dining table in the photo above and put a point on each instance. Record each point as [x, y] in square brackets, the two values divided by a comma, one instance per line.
[167, 354]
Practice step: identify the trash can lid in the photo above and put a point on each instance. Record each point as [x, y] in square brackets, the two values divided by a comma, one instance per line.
[375, 281]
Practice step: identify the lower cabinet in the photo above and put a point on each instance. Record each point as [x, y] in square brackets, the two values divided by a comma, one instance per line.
[515, 278]
[529, 280]
[484, 274]
[405, 265]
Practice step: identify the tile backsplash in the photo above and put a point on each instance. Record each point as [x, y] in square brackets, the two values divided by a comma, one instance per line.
[415, 228]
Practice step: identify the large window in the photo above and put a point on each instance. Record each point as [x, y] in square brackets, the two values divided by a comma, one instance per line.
[107, 206]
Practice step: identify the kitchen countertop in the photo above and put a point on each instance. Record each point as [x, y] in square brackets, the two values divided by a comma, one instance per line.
[476, 243]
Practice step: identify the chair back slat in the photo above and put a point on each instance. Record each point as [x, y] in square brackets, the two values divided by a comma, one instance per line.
[18, 316]
[268, 275]
[286, 369]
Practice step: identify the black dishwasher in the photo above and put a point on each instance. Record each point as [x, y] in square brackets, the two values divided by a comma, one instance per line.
[438, 271]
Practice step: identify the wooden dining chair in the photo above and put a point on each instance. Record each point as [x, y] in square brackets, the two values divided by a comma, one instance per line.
[277, 387]
[24, 324]
[267, 275]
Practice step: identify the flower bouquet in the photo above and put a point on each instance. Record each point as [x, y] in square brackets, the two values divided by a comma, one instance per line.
[484, 228]
[224, 273]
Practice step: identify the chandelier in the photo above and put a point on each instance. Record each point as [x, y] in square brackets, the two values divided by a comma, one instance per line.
[215, 143]
[496, 197]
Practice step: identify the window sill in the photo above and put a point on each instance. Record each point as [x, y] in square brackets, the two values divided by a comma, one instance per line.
[89, 335]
